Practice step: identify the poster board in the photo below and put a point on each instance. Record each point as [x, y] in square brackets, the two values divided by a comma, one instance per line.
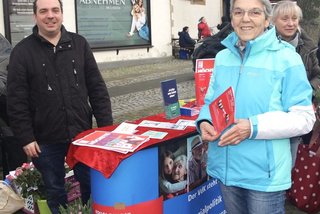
[114, 24]
[200, 194]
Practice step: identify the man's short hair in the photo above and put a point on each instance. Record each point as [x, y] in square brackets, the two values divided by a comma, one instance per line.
[35, 6]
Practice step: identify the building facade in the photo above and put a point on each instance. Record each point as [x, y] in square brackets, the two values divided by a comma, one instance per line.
[106, 24]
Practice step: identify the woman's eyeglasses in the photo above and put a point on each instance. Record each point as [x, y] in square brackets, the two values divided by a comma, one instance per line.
[239, 13]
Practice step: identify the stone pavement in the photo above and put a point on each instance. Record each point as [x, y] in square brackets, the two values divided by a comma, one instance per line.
[134, 88]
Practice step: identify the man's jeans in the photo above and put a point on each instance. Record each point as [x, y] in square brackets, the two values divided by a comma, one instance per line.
[243, 201]
[51, 165]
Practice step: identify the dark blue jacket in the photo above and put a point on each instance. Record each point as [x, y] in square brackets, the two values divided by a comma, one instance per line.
[185, 40]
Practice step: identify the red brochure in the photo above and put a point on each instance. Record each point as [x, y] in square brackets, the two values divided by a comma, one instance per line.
[222, 110]
[202, 75]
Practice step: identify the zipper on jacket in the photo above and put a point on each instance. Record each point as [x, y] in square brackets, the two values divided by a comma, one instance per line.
[46, 75]
[75, 73]
[242, 54]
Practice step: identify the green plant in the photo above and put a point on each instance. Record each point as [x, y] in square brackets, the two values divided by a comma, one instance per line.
[76, 207]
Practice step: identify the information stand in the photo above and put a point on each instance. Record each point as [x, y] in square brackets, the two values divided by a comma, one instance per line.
[130, 183]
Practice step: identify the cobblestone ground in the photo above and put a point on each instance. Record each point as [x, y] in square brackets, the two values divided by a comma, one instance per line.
[130, 100]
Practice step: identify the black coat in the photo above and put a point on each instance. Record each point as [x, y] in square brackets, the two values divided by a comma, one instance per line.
[308, 52]
[54, 90]
[5, 49]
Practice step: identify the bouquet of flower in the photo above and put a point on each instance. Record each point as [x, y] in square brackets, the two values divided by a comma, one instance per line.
[28, 181]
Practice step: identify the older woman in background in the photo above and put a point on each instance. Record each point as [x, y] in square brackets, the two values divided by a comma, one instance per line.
[286, 17]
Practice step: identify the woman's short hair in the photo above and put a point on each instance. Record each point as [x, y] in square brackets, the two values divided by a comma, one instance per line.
[182, 159]
[266, 4]
[286, 7]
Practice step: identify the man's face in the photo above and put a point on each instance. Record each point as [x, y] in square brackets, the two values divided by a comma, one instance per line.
[250, 24]
[197, 153]
[48, 17]
[179, 171]
[287, 25]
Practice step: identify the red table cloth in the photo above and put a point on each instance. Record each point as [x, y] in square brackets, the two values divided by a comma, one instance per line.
[106, 161]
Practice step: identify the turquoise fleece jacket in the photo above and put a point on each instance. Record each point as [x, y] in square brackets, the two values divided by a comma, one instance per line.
[272, 91]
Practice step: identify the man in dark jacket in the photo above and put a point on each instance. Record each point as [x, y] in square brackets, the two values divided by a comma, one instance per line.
[54, 87]
[185, 41]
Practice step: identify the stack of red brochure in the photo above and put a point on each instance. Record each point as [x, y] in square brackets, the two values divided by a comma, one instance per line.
[118, 142]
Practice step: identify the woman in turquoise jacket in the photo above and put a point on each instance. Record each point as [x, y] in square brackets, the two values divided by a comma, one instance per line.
[252, 159]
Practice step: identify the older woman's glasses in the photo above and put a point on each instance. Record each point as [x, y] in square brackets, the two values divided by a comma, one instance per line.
[255, 12]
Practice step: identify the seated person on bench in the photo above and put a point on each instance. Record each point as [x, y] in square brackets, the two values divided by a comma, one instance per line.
[185, 41]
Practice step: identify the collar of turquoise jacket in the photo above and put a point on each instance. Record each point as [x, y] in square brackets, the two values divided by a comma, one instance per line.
[266, 41]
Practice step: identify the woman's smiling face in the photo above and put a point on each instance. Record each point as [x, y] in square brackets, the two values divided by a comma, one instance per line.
[248, 19]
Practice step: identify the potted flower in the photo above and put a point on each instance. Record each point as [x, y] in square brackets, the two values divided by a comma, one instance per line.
[28, 182]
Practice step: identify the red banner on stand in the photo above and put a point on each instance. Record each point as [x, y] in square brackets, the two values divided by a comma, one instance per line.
[202, 75]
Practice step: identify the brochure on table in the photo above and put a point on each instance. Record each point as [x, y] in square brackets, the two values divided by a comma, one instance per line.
[119, 142]
[170, 98]
[155, 134]
[123, 140]
[202, 75]
[163, 125]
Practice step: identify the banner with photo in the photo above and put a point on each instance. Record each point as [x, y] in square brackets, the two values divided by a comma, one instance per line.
[183, 181]
[114, 24]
